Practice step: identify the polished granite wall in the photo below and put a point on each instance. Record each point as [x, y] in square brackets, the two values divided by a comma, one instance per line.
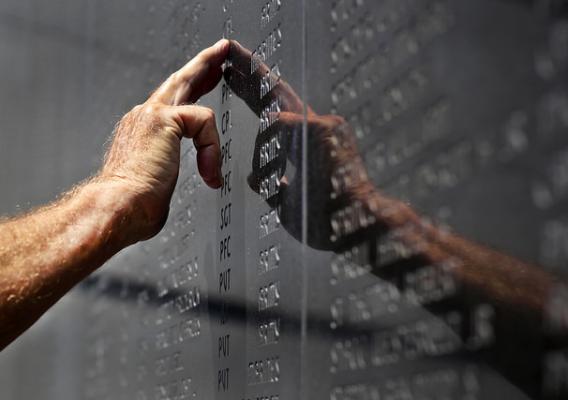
[393, 223]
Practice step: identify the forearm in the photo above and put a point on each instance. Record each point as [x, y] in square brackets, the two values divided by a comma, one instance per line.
[47, 252]
[513, 294]
[492, 277]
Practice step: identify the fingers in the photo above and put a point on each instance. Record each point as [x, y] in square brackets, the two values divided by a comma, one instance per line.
[247, 85]
[198, 123]
[198, 77]
[291, 120]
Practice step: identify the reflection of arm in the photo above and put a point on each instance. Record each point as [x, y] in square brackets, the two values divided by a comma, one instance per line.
[495, 277]
[332, 147]
[515, 292]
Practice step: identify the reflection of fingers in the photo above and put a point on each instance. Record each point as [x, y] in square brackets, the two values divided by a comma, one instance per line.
[291, 119]
[241, 60]
[283, 190]
[240, 57]
[196, 78]
[252, 180]
[279, 142]
[283, 186]
[245, 80]
[198, 123]
[320, 127]
[243, 86]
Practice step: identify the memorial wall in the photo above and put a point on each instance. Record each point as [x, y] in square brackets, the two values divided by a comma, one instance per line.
[393, 221]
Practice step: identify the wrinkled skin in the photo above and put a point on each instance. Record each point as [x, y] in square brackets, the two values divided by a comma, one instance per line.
[145, 152]
[45, 253]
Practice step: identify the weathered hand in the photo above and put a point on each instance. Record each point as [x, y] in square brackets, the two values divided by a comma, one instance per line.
[46, 252]
[143, 160]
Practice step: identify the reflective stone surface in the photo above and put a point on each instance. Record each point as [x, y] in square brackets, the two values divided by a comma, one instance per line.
[392, 224]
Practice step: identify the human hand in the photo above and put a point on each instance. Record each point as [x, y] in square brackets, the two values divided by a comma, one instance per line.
[336, 171]
[142, 163]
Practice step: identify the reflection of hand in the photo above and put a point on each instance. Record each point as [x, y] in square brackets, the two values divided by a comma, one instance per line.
[502, 296]
[143, 160]
[336, 171]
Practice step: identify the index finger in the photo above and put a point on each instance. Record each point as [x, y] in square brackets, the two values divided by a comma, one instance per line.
[195, 79]
[247, 72]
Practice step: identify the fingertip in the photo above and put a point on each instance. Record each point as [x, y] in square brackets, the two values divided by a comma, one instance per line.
[223, 46]
[208, 163]
[219, 183]
[216, 183]
[238, 47]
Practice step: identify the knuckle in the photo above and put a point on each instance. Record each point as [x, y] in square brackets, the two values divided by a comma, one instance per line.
[151, 110]
[175, 77]
[149, 114]
[209, 115]
[136, 109]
